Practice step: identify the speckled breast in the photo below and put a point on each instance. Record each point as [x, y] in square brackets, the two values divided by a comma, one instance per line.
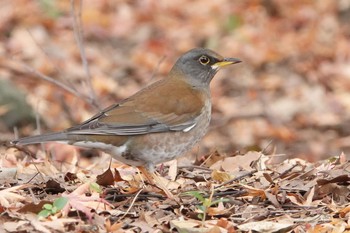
[152, 149]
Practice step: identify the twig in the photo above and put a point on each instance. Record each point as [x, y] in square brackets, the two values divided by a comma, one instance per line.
[286, 171]
[55, 67]
[61, 85]
[192, 167]
[15, 132]
[207, 159]
[71, 90]
[113, 197]
[32, 178]
[51, 80]
[132, 203]
[43, 51]
[37, 121]
[236, 178]
[77, 28]
[22, 149]
[38, 125]
[230, 193]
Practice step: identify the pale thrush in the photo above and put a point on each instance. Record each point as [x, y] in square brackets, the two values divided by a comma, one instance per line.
[159, 123]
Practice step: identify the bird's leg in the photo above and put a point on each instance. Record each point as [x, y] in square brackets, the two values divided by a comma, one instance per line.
[154, 179]
[147, 174]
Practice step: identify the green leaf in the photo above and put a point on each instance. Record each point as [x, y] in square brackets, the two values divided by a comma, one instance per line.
[196, 194]
[200, 216]
[47, 206]
[44, 213]
[202, 208]
[54, 210]
[59, 203]
[206, 202]
[95, 187]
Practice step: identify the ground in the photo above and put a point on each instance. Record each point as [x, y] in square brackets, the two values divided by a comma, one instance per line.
[278, 147]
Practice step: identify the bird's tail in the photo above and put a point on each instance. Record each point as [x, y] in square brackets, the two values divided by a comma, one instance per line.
[59, 136]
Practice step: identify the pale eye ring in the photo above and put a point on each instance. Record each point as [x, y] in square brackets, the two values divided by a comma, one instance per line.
[204, 60]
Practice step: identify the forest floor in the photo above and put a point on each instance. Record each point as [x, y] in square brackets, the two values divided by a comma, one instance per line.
[277, 153]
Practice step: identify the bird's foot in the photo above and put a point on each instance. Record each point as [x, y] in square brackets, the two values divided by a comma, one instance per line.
[155, 180]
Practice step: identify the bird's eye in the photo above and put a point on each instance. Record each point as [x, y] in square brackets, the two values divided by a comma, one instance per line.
[204, 60]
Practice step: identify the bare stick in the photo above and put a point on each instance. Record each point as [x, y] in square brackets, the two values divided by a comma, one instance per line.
[65, 87]
[78, 35]
[132, 203]
[43, 51]
[236, 178]
[51, 80]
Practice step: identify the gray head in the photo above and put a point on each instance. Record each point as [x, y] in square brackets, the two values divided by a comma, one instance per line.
[200, 65]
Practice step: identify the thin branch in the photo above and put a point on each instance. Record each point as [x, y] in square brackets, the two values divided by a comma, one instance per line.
[90, 100]
[132, 203]
[78, 35]
[53, 81]
[236, 178]
[44, 52]
[65, 87]
[38, 125]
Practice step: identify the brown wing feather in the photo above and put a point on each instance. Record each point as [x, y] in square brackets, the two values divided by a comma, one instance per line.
[146, 111]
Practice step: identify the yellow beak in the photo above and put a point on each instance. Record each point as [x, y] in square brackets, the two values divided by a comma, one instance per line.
[226, 62]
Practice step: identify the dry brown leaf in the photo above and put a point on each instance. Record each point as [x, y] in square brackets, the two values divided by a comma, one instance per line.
[172, 169]
[254, 192]
[127, 173]
[339, 179]
[106, 178]
[57, 224]
[344, 211]
[266, 226]
[8, 197]
[33, 208]
[286, 103]
[115, 227]
[225, 224]
[338, 192]
[79, 201]
[184, 226]
[273, 199]
[301, 201]
[215, 211]
[221, 176]
[234, 164]
[309, 197]
[214, 229]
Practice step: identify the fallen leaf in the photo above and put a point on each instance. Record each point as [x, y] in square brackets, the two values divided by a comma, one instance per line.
[221, 176]
[106, 178]
[9, 198]
[234, 164]
[266, 226]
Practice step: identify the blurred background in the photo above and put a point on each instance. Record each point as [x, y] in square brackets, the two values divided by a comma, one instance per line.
[290, 96]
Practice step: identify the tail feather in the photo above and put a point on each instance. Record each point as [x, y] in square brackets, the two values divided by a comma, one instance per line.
[59, 136]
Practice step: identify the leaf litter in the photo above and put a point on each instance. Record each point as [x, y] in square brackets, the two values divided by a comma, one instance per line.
[256, 195]
[293, 90]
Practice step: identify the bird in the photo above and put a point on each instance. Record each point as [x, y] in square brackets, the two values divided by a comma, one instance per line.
[156, 124]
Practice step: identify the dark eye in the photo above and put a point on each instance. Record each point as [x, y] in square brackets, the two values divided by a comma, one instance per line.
[204, 60]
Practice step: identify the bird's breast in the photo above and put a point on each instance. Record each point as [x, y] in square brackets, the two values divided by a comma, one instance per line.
[161, 147]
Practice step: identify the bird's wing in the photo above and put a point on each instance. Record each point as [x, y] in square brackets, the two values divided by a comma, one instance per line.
[140, 114]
